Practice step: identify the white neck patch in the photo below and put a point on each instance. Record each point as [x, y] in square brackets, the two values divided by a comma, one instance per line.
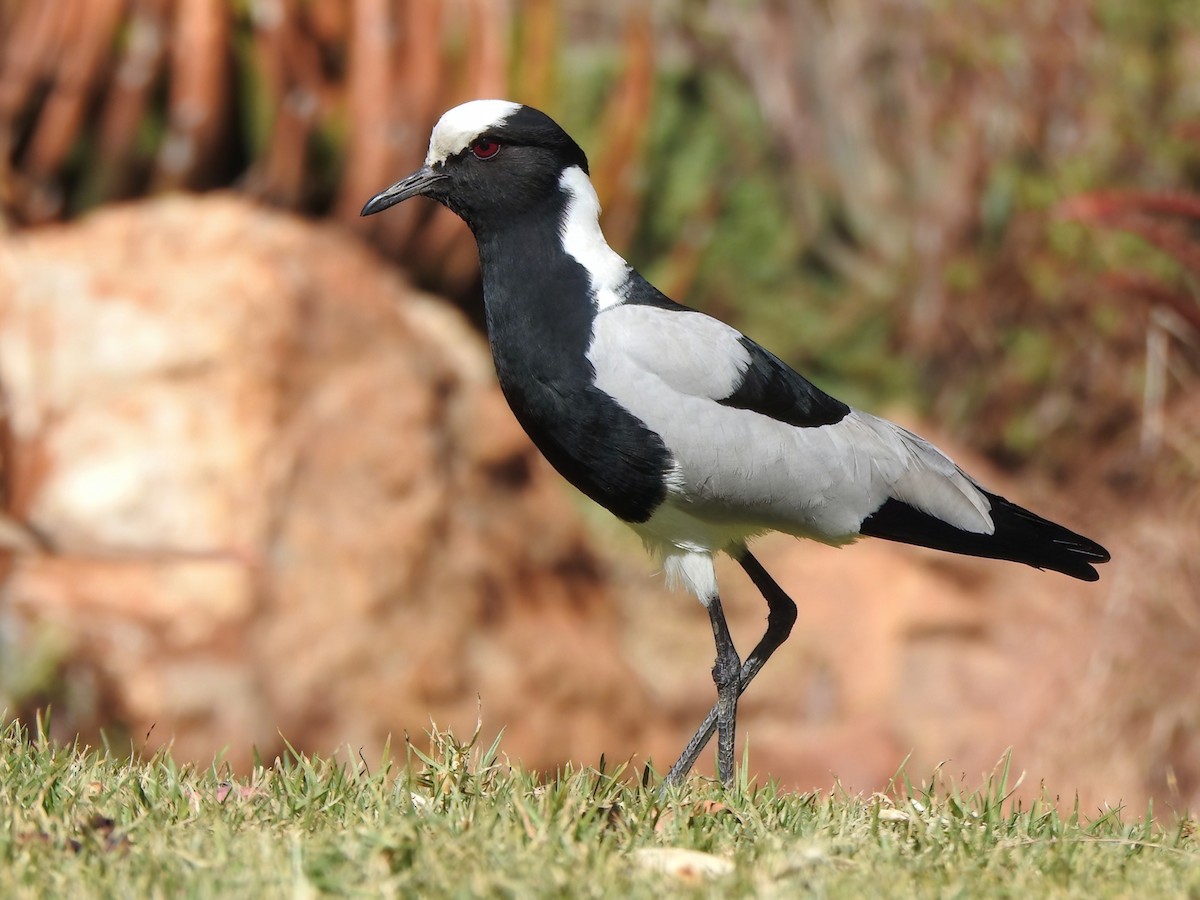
[457, 129]
[583, 239]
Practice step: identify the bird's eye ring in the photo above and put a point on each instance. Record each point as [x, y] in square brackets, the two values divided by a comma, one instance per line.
[485, 149]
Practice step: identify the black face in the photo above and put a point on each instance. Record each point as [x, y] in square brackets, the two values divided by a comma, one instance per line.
[507, 171]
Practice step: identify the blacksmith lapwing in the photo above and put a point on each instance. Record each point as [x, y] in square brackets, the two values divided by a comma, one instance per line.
[687, 430]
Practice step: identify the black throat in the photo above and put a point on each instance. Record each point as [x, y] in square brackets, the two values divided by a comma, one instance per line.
[540, 311]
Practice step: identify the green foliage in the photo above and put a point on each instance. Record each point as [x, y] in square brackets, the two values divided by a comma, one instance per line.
[459, 821]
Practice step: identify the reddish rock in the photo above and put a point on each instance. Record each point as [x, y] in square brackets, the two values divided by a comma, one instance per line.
[282, 495]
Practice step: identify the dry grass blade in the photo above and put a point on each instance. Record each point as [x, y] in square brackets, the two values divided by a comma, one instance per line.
[626, 119]
[368, 97]
[419, 67]
[279, 176]
[84, 34]
[128, 101]
[198, 112]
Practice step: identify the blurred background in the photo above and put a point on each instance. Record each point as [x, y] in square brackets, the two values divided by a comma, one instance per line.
[256, 483]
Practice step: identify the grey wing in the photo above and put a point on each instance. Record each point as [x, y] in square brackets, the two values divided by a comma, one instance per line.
[753, 440]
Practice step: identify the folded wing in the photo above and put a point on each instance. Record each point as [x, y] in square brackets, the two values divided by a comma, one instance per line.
[753, 439]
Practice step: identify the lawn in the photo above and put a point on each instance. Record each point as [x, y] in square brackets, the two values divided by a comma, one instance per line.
[458, 820]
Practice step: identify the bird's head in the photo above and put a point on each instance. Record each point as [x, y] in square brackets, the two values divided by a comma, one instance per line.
[489, 161]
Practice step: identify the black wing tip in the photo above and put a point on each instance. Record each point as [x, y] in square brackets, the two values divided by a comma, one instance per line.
[1087, 548]
[1060, 548]
[1084, 571]
[1020, 536]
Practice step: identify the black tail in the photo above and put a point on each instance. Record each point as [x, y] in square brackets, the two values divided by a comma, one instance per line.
[1020, 536]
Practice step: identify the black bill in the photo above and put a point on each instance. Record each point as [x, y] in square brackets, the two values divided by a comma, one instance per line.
[412, 186]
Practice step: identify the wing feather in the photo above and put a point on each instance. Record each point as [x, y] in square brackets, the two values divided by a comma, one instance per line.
[684, 375]
[757, 447]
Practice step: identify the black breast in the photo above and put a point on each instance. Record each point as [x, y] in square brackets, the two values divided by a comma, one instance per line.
[540, 314]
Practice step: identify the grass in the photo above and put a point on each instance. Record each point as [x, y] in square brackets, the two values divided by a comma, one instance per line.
[459, 821]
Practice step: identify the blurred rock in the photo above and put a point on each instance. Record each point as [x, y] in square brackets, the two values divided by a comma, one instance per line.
[281, 495]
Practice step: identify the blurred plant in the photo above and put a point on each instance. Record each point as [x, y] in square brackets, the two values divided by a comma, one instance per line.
[892, 116]
[308, 104]
[921, 149]
[870, 183]
[1168, 222]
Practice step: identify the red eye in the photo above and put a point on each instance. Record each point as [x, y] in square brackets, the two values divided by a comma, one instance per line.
[485, 149]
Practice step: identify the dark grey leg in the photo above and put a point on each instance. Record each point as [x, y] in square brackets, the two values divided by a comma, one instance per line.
[781, 616]
[726, 674]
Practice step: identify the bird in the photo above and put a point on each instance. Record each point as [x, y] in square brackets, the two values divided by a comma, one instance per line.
[692, 433]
